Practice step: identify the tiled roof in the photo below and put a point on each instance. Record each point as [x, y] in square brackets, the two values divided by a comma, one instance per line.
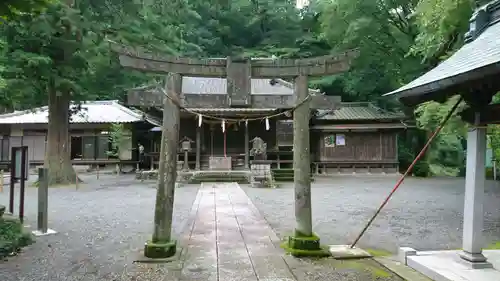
[206, 85]
[92, 112]
[232, 109]
[480, 56]
[357, 111]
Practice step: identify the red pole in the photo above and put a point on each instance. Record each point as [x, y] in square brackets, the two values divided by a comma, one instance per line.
[400, 181]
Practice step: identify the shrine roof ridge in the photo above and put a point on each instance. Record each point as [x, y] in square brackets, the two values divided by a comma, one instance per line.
[358, 111]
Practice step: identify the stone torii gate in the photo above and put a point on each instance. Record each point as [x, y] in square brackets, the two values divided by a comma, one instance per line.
[238, 72]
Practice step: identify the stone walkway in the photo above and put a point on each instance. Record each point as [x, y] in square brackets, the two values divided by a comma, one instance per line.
[230, 240]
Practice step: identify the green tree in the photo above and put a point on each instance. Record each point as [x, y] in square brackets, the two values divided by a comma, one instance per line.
[62, 55]
[441, 27]
[446, 154]
[383, 31]
[11, 8]
[45, 60]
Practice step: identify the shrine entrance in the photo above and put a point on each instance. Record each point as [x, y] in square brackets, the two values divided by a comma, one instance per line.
[239, 92]
[228, 143]
[225, 134]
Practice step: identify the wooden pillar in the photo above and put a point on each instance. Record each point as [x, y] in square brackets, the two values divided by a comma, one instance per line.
[301, 159]
[198, 148]
[212, 140]
[397, 152]
[161, 244]
[247, 147]
[472, 242]
[186, 161]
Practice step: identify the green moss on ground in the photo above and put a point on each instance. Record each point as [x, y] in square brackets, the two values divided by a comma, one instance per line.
[493, 246]
[378, 252]
[12, 236]
[368, 265]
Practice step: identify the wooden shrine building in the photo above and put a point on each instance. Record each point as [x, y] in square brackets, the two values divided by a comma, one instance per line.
[356, 137]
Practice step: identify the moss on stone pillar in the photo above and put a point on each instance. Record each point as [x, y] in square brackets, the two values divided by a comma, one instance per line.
[160, 250]
[304, 246]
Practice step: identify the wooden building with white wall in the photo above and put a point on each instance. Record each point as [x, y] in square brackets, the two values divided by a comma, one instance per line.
[89, 132]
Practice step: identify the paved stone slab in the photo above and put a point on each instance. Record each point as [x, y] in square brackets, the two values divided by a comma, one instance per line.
[230, 240]
[346, 252]
[201, 250]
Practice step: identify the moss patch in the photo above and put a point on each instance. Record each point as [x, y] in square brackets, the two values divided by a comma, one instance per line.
[376, 270]
[12, 236]
[493, 246]
[160, 250]
[378, 252]
[300, 245]
[321, 252]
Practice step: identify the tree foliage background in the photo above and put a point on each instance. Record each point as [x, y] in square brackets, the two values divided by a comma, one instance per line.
[62, 46]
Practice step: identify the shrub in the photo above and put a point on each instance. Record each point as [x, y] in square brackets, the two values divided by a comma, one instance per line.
[12, 236]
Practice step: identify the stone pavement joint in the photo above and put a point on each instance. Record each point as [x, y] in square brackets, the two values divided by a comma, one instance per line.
[230, 240]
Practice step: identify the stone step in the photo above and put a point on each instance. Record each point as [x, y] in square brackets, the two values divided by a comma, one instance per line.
[285, 175]
[223, 176]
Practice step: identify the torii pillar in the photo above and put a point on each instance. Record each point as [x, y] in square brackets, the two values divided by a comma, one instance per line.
[238, 73]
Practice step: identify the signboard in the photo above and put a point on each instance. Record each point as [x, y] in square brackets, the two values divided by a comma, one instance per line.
[340, 140]
[329, 141]
[20, 163]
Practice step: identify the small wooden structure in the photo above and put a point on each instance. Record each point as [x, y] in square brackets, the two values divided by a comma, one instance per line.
[472, 72]
[356, 138]
[89, 133]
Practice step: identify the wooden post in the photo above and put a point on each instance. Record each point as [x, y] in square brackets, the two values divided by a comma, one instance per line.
[43, 197]
[198, 148]
[211, 141]
[1, 183]
[186, 164]
[247, 147]
[22, 181]
[301, 160]
[494, 170]
[161, 245]
[43, 201]
[76, 180]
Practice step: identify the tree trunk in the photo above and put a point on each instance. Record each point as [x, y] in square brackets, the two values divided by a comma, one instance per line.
[57, 158]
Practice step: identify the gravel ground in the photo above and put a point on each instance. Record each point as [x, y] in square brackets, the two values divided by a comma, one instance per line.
[424, 213]
[101, 228]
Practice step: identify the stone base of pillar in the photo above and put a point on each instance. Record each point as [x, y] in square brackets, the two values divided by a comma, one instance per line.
[474, 261]
[300, 246]
[160, 250]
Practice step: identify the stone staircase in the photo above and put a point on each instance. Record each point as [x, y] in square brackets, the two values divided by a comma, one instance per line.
[285, 175]
[241, 177]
